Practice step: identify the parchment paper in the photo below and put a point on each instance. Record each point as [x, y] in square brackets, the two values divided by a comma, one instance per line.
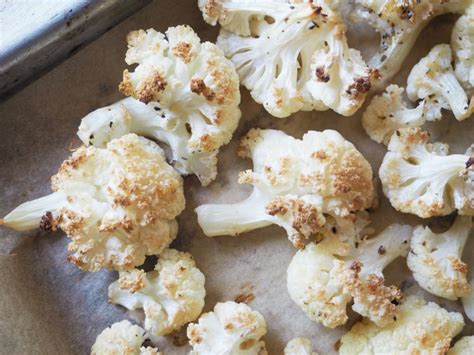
[48, 306]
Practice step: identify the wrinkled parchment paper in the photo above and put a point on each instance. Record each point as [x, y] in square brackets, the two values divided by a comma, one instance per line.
[48, 306]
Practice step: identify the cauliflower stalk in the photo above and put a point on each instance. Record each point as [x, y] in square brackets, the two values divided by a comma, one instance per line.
[462, 43]
[420, 328]
[399, 24]
[122, 338]
[291, 55]
[231, 329]
[323, 278]
[388, 112]
[296, 182]
[422, 179]
[299, 346]
[433, 80]
[185, 94]
[170, 296]
[463, 346]
[435, 259]
[468, 302]
[116, 204]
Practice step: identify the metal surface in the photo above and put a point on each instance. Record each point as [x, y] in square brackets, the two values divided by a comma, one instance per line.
[37, 34]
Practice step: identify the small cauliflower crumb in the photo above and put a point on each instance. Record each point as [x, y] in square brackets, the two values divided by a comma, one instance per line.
[122, 338]
[420, 328]
[421, 178]
[170, 296]
[296, 183]
[116, 204]
[435, 259]
[299, 346]
[231, 329]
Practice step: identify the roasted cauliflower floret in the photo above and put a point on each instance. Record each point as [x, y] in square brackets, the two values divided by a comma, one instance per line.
[388, 112]
[186, 95]
[231, 329]
[291, 55]
[299, 346]
[117, 204]
[323, 278]
[399, 24]
[463, 346]
[420, 328]
[462, 43]
[433, 80]
[122, 338]
[468, 302]
[435, 259]
[422, 179]
[295, 183]
[170, 296]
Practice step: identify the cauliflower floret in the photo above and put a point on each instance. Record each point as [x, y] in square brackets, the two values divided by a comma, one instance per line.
[462, 42]
[420, 328]
[463, 346]
[468, 302]
[116, 204]
[299, 346]
[122, 338]
[170, 296]
[232, 329]
[189, 95]
[435, 259]
[420, 178]
[323, 278]
[291, 55]
[433, 80]
[388, 112]
[399, 24]
[295, 183]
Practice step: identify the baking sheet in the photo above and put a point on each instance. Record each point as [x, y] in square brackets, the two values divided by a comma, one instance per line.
[48, 306]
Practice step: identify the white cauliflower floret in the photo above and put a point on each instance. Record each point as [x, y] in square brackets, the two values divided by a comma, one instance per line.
[468, 302]
[231, 329]
[291, 55]
[189, 95]
[422, 179]
[462, 42]
[399, 24]
[295, 183]
[299, 346]
[117, 205]
[464, 346]
[433, 80]
[122, 338]
[323, 278]
[388, 112]
[435, 259]
[420, 328]
[170, 296]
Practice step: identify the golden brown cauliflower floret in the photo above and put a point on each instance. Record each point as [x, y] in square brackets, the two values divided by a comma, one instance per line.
[435, 259]
[422, 179]
[296, 183]
[231, 329]
[170, 296]
[183, 93]
[117, 205]
[122, 338]
[420, 327]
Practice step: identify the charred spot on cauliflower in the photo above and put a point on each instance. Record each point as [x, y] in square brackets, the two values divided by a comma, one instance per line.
[122, 338]
[117, 204]
[184, 93]
[170, 296]
[420, 327]
[422, 179]
[232, 328]
[296, 183]
[291, 55]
